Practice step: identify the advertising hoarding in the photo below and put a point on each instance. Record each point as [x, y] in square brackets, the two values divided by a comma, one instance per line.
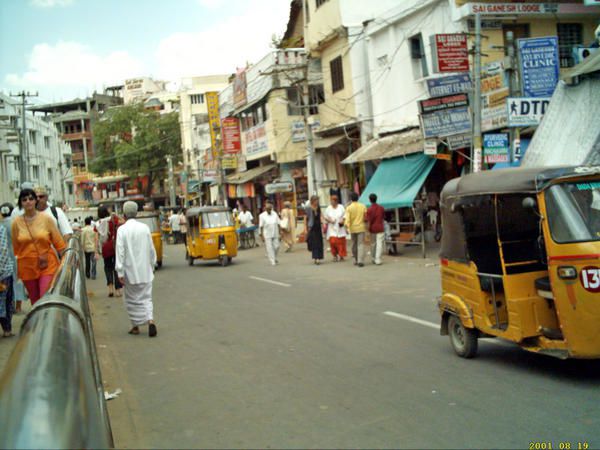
[526, 111]
[539, 65]
[450, 53]
[449, 85]
[446, 122]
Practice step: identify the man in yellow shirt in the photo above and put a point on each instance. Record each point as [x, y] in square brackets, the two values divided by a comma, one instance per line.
[355, 218]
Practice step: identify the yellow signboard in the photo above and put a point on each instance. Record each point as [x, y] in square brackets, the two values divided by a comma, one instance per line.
[229, 162]
[214, 122]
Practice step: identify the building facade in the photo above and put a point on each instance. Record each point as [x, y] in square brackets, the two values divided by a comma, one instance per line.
[49, 156]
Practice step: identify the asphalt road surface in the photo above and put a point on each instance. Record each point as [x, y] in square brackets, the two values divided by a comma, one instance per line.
[330, 356]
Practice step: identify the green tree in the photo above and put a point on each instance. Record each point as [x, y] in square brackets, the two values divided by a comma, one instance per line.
[136, 142]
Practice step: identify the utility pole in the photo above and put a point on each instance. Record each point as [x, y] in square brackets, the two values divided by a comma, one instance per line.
[24, 156]
[476, 156]
[514, 90]
[221, 169]
[171, 182]
[310, 160]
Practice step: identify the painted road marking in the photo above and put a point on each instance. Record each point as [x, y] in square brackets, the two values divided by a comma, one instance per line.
[425, 323]
[265, 280]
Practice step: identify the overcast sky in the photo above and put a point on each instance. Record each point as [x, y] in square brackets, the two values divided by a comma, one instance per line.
[67, 48]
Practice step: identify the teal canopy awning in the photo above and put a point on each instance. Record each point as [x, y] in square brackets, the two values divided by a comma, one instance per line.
[397, 181]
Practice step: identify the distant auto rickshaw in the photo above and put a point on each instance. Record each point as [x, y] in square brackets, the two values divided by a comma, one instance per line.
[520, 260]
[151, 219]
[211, 234]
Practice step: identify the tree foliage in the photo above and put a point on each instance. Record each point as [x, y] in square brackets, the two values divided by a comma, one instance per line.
[136, 142]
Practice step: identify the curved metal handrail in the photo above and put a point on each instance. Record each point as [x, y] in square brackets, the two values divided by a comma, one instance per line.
[51, 392]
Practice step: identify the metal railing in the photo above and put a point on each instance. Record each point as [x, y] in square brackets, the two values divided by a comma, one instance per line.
[51, 393]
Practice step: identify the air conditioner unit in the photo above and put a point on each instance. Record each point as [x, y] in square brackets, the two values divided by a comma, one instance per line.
[580, 53]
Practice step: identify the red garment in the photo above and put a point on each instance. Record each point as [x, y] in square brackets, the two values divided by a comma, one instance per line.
[375, 218]
[338, 246]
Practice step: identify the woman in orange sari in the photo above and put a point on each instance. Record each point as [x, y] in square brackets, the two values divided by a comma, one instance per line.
[35, 238]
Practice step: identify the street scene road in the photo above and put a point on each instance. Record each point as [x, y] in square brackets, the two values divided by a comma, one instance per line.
[330, 356]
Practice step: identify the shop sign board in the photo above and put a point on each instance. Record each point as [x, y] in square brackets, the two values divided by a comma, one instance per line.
[450, 52]
[298, 131]
[443, 103]
[209, 175]
[509, 8]
[280, 187]
[446, 122]
[256, 140]
[494, 118]
[214, 122]
[459, 141]
[430, 147]
[230, 130]
[526, 112]
[539, 65]
[240, 97]
[493, 83]
[495, 98]
[229, 162]
[449, 85]
[495, 147]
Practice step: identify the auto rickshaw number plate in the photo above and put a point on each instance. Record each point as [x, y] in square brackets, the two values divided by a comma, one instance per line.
[590, 279]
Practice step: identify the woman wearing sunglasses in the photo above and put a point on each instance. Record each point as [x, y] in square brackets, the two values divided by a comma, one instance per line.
[35, 237]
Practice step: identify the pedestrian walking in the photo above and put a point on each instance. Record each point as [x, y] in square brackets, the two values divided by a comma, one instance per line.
[175, 227]
[288, 226]
[268, 228]
[36, 242]
[7, 306]
[107, 233]
[245, 217]
[375, 220]
[183, 225]
[355, 222]
[135, 262]
[18, 288]
[313, 229]
[336, 232]
[89, 242]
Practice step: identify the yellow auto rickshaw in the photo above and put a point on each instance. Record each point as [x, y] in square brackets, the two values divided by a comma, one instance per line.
[210, 234]
[151, 219]
[520, 260]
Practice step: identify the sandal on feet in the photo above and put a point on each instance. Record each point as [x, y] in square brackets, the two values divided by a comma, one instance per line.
[134, 330]
[152, 330]
[8, 334]
[110, 294]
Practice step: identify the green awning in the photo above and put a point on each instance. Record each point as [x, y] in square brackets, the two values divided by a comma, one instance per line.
[397, 181]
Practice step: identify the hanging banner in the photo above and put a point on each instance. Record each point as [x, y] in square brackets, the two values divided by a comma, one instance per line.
[230, 130]
[495, 147]
[539, 65]
[450, 52]
[239, 89]
[526, 112]
[459, 141]
[494, 118]
[214, 122]
[449, 85]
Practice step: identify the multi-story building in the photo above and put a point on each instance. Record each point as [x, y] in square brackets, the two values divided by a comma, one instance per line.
[49, 157]
[141, 88]
[74, 121]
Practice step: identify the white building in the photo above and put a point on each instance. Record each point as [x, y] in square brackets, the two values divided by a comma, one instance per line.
[141, 88]
[49, 158]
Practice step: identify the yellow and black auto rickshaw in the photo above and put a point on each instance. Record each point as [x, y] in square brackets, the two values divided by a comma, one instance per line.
[151, 219]
[211, 234]
[520, 260]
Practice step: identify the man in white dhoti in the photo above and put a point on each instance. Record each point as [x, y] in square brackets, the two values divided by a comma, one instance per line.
[135, 261]
[268, 227]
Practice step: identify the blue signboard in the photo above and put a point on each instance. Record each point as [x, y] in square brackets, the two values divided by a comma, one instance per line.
[446, 122]
[539, 63]
[453, 84]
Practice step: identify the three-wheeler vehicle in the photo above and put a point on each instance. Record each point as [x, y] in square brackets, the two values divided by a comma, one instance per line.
[520, 260]
[151, 219]
[211, 234]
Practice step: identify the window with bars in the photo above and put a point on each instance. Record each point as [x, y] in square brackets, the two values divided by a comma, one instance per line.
[316, 95]
[197, 99]
[569, 34]
[337, 74]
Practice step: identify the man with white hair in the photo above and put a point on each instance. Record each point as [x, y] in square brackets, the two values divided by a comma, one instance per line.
[135, 261]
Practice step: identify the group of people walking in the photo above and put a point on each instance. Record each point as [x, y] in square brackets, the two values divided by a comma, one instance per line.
[34, 235]
[335, 224]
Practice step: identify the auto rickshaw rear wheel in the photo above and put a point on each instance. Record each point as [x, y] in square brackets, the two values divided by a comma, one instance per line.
[463, 340]
[223, 260]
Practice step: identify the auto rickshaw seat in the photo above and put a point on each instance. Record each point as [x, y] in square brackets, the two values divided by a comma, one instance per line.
[544, 288]
[487, 283]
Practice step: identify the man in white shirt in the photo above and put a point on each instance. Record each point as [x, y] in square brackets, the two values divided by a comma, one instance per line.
[245, 217]
[57, 214]
[175, 227]
[268, 227]
[135, 261]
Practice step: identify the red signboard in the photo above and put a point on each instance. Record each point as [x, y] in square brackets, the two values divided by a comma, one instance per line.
[230, 129]
[452, 54]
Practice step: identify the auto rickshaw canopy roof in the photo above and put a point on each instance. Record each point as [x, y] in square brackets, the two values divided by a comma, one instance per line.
[193, 212]
[512, 181]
